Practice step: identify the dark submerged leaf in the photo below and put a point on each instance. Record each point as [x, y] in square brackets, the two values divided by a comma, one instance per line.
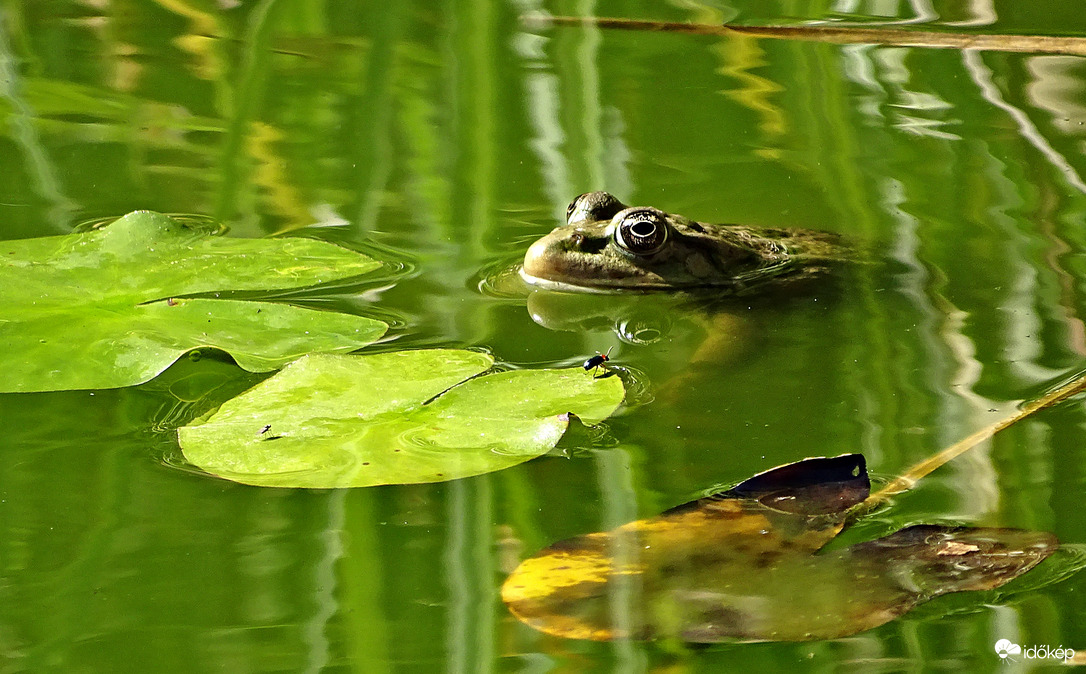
[741, 566]
[810, 487]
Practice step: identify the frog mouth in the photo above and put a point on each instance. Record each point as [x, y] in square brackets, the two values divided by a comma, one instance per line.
[551, 263]
[560, 286]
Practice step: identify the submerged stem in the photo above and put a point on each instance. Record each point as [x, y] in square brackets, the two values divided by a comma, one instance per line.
[1036, 44]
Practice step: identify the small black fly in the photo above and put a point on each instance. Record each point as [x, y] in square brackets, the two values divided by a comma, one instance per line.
[597, 361]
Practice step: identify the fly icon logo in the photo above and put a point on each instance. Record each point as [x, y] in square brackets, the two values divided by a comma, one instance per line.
[1004, 649]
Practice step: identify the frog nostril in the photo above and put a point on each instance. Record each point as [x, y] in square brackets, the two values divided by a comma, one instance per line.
[580, 241]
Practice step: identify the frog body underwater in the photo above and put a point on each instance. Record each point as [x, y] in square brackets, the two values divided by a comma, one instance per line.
[607, 246]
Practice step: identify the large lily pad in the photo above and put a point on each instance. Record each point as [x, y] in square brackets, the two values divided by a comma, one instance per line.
[98, 310]
[746, 566]
[392, 418]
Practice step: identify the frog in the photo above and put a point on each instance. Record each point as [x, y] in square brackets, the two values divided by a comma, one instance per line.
[607, 246]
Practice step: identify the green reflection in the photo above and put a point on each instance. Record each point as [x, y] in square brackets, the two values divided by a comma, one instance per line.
[446, 130]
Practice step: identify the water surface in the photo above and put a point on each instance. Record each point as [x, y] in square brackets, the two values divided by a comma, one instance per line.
[449, 134]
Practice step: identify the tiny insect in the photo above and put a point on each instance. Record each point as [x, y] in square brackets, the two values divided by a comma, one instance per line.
[597, 361]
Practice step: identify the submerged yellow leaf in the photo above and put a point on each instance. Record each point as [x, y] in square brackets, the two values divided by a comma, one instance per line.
[743, 566]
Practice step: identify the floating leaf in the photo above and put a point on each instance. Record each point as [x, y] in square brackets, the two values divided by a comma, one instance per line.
[97, 309]
[392, 418]
[742, 566]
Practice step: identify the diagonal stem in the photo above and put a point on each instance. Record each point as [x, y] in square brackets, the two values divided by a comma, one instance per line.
[909, 478]
[1036, 44]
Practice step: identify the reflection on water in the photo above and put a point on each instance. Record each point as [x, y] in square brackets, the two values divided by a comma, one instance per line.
[451, 134]
[501, 280]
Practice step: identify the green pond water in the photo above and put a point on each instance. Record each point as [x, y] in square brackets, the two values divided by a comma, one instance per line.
[447, 137]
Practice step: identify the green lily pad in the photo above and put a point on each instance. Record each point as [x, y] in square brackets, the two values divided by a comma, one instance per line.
[392, 418]
[97, 309]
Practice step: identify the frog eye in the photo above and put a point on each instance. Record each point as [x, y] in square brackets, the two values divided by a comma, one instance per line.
[641, 231]
[592, 207]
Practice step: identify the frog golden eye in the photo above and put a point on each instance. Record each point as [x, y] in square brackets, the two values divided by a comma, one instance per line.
[641, 231]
